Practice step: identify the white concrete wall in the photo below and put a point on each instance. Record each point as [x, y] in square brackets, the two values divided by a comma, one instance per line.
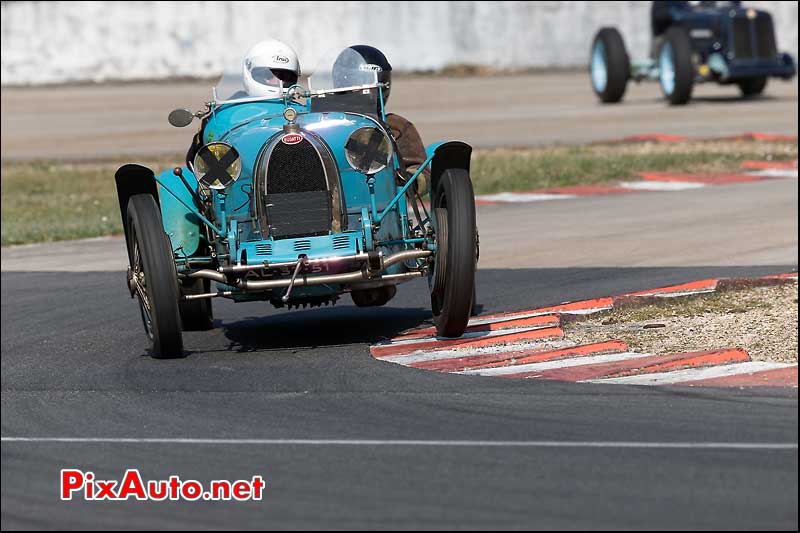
[56, 42]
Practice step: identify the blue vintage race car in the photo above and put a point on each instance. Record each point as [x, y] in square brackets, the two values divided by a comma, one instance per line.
[693, 42]
[295, 201]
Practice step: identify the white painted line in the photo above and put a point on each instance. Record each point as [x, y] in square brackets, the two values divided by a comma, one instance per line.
[591, 311]
[517, 197]
[477, 335]
[694, 374]
[678, 294]
[418, 443]
[661, 185]
[442, 355]
[775, 173]
[560, 363]
[532, 314]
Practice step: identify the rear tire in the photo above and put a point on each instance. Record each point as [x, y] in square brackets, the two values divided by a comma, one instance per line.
[156, 280]
[196, 315]
[453, 277]
[609, 66]
[676, 66]
[752, 87]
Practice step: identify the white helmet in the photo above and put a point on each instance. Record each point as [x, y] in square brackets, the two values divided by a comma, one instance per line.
[267, 65]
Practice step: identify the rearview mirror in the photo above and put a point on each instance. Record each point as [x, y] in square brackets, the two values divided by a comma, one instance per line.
[181, 118]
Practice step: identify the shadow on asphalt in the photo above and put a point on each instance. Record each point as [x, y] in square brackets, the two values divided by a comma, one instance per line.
[732, 99]
[499, 290]
[322, 327]
[41, 308]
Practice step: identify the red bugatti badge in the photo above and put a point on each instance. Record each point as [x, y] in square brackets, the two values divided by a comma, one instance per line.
[292, 138]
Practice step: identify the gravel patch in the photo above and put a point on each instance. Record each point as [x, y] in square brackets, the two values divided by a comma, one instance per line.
[762, 321]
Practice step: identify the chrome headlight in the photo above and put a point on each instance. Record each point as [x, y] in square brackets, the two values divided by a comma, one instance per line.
[217, 165]
[368, 150]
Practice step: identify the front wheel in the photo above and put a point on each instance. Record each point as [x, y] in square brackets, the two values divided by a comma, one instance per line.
[154, 278]
[453, 276]
[676, 66]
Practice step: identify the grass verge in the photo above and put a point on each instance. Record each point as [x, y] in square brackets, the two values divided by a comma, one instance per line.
[51, 200]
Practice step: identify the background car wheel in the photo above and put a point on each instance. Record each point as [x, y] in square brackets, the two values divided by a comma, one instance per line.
[374, 297]
[609, 66]
[676, 67]
[453, 276]
[196, 315]
[154, 277]
[751, 87]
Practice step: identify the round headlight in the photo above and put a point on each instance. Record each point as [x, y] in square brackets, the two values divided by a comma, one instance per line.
[217, 165]
[368, 150]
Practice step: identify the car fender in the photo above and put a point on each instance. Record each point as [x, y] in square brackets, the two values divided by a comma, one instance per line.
[181, 225]
[445, 155]
[132, 180]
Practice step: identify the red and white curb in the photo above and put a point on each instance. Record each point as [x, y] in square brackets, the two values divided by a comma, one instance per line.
[530, 344]
[752, 171]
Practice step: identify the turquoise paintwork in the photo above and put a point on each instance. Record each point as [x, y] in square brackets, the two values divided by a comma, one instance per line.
[181, 225]
[248, 127]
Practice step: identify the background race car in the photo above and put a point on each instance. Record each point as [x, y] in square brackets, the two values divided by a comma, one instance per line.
[720, 42]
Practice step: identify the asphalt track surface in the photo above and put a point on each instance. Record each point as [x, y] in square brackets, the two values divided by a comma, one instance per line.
[345, 441]
[111, 120]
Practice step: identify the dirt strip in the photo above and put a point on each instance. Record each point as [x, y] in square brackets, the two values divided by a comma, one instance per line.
[761, 320]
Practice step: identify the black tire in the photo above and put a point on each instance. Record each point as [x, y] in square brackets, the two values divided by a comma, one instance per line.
[453, 276]
[617, 66]
[751, 87]
[196, 315]
[151, 255]
[373, 297]
[680, 91]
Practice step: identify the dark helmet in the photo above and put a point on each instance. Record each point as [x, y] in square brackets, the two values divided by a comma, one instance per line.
[355, 60]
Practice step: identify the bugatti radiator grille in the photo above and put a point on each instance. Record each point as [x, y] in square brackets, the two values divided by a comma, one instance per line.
[298, 202]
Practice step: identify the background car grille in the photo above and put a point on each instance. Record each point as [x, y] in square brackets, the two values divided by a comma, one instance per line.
[763, 46]
[297, 197]
[765, 37]
[742, 43]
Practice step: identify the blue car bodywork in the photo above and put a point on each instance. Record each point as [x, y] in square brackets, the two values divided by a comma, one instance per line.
[275, 232]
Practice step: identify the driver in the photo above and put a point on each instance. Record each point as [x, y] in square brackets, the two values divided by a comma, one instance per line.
[268, 65]
[407, 139]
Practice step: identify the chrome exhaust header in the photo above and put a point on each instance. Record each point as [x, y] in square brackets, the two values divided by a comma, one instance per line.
[365, 275]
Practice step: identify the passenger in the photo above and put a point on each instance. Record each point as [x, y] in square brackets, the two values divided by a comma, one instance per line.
[408, 142]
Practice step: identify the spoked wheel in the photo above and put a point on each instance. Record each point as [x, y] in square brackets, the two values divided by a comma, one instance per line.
[154, 278]
[452, 278]
[676, 67]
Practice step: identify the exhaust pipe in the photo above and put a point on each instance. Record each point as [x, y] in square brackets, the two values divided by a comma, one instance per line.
[326, 279]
